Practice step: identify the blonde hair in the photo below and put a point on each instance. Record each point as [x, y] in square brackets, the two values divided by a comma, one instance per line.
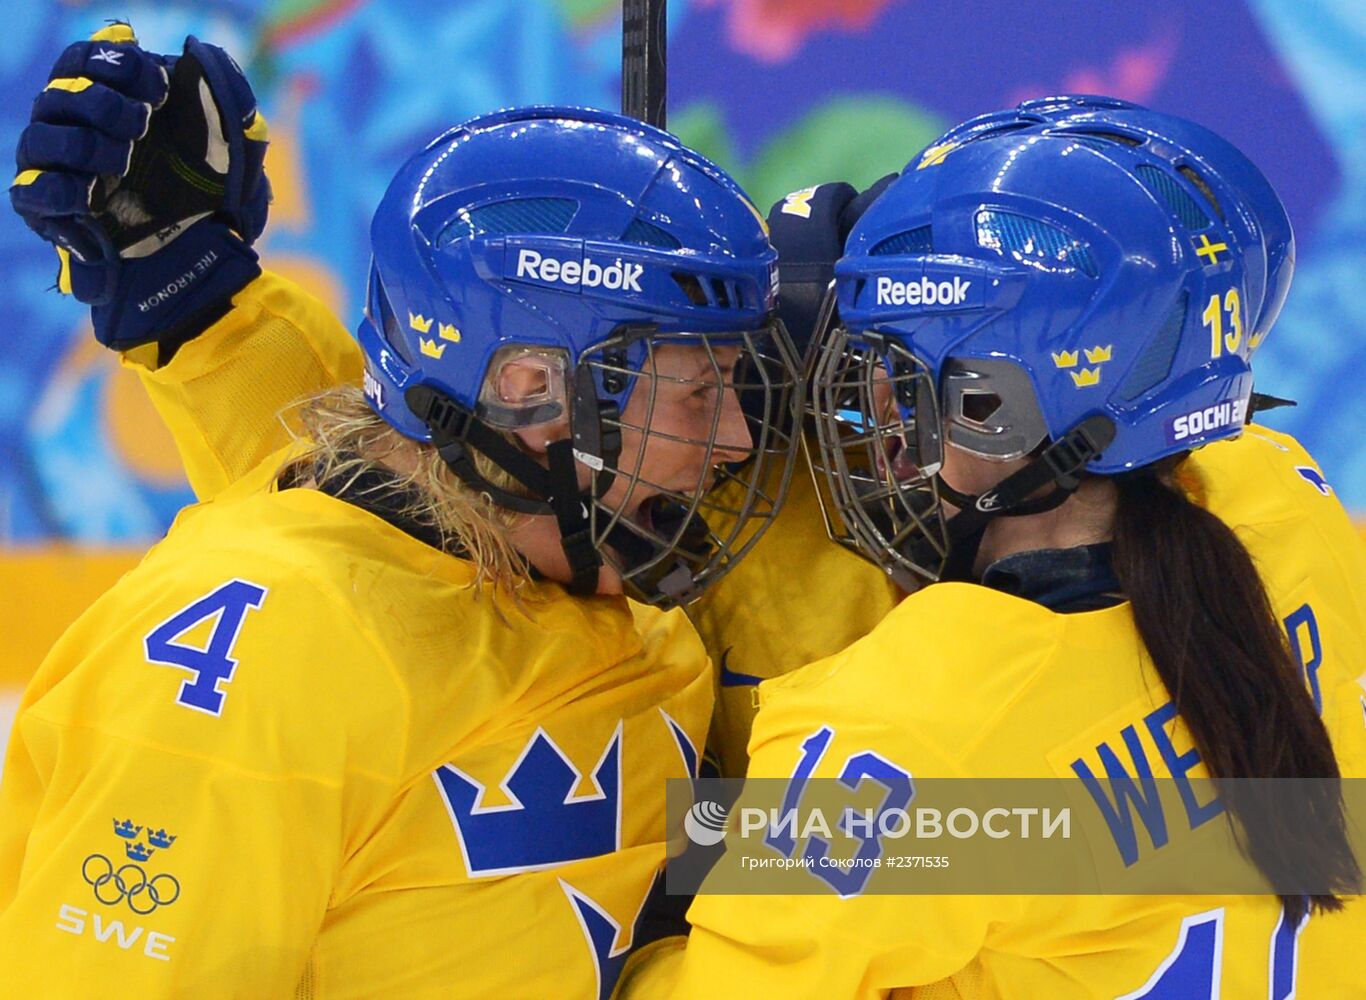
[342, 439]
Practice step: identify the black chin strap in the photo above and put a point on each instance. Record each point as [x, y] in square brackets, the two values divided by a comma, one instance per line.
[457, 432]
[572, 508]
[1060, 465]
[674, 577]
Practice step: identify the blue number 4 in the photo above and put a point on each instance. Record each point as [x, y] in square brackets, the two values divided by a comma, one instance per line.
[212, 664]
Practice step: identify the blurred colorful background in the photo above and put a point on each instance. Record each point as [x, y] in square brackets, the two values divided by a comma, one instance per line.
[785, 93]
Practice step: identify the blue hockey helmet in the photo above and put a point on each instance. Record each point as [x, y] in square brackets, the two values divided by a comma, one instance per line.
[1079, 279]
[590, 240]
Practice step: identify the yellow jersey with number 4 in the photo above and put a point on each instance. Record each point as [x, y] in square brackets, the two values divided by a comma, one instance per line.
[297, 749]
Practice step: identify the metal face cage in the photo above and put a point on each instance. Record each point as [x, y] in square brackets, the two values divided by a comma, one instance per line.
[879, 446]
[704, 450]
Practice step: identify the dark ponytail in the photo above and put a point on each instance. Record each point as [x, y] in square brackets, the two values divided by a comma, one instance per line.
[1207, 623]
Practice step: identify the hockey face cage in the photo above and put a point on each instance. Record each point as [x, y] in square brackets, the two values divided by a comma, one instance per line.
[880, 435]
[669, 540]
[879, 444]
[670, 512]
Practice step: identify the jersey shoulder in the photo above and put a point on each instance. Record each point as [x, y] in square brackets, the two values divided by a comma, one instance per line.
[465, 657]
[1272, 493]
[1262, 477]
[941, 670]
[250, 634]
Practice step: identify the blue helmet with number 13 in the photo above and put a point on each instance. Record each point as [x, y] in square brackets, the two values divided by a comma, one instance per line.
[1079, 281]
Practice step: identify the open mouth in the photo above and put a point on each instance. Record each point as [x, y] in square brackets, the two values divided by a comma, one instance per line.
[643, 516]
[658, 515]
[894, 460]
[664, 518]
[899, 489]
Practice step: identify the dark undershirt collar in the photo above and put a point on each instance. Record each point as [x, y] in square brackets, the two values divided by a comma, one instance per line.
[374, 492]
[1063, 580]
[379, 493]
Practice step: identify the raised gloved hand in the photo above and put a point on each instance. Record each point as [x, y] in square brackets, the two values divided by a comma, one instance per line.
[808, 228]
[147, 173]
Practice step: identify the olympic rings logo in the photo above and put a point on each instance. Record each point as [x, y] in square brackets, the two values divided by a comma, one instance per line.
[129, 882]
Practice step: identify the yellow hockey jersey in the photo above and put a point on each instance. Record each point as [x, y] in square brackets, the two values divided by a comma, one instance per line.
[937, 695]
[296, 752]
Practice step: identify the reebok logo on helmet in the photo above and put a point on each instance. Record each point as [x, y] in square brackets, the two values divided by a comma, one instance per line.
[585, 273]
[923, 292]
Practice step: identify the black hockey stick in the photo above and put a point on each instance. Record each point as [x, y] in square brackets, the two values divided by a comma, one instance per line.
[644, 43]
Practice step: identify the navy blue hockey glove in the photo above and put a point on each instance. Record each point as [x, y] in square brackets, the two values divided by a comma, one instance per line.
[147, 173]
[808, 228]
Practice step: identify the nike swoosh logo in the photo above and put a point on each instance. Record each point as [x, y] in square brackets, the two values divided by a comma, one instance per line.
[731, 678]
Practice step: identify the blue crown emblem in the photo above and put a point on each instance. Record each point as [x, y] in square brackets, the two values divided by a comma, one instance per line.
[125, 829]
[138, 852]
[601, 931]
[544, 826]
[160, 839]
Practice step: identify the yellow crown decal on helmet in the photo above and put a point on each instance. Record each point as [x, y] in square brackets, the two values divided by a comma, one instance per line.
[1065, 359]
[431, 348]
[1085, 377]
[420, 323]
[447, 331]
[1098, 355]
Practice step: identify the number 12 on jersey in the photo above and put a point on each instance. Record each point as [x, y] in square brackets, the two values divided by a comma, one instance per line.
[211, 664]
